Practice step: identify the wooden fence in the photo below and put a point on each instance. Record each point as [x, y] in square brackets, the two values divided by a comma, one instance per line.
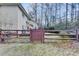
[54, 31]
[73, 36]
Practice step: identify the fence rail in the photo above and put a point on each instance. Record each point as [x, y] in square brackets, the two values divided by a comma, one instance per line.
[61, 38]
[60, 34]
[15, 30]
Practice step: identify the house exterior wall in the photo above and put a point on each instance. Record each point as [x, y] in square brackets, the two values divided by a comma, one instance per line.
[8, 17]
[11, 17]
[21, 20]
[24, 23]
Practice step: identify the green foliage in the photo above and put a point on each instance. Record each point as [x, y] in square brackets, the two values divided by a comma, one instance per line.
[49, 28]
[57, 27]
[62, 26]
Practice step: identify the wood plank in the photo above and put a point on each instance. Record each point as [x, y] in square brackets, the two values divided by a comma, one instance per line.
[60, 38]
[57, 30]
[15, 30]
[60, 34]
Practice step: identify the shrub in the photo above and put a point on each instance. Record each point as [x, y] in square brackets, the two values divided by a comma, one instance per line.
[65, 43]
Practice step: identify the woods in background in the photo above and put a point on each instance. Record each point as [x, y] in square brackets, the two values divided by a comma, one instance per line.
[57, 15]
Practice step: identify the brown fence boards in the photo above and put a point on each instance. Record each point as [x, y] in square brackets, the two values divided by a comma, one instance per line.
[61, 38]
[39, 34]
[61, 34]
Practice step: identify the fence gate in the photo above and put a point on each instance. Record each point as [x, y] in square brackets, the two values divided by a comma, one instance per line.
[37, 35]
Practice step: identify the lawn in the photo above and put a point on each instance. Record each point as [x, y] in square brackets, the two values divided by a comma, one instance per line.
[45, 49]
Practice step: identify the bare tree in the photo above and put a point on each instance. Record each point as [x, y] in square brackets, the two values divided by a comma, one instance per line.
[72, 12]
[34, 11]
[55, 12]
[66, 15]
[47, 14]
[41, 14]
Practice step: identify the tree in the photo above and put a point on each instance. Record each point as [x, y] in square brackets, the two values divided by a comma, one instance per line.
[60, 13]
[55, 12]
[72, 12]
[41, 13]
[34, 11]
[47, 14]
[66, 15]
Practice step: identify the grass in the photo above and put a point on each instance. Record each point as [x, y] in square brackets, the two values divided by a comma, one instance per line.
[46, 49]
[56, 48]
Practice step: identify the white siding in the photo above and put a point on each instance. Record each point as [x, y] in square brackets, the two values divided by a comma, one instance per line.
[8, 17]
[11, 17]
[21, 20]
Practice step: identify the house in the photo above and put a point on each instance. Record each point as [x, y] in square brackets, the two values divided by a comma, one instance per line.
[14, 17]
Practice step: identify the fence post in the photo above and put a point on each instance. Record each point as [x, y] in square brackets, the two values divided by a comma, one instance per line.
[77, 35]
[0, 35]
[17, 33]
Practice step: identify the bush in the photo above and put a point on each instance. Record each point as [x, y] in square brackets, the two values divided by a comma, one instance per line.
[49, 28]
[66, 42]
[63, 33]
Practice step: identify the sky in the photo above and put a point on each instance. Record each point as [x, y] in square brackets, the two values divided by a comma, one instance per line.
[26, 6]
